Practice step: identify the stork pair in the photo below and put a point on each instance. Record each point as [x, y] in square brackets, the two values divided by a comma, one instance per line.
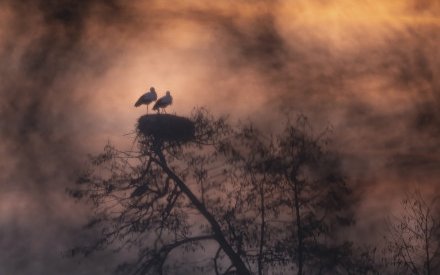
[151, 96]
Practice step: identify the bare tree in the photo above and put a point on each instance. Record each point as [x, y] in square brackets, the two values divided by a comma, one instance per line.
[149, 199]
[413, 243]
[297, 196]
[253, 203]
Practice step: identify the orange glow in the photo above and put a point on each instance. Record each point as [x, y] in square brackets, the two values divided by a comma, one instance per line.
[369, 68]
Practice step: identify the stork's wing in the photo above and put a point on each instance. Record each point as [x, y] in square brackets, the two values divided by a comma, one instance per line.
[150, 97]
[139, 101]
[158, 104]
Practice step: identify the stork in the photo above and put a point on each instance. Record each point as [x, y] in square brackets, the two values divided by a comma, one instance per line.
[163, 102]
[147, 98]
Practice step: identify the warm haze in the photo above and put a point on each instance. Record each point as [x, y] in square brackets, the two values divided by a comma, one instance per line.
[72, 70]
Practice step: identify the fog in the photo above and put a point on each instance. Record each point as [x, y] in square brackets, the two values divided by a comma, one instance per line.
[71, 72]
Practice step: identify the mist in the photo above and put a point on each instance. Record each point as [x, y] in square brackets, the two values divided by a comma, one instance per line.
[71, 72]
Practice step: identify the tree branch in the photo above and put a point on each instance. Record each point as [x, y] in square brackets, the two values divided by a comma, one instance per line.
[219, 236]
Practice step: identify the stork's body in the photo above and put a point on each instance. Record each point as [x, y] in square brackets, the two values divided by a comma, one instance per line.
[163, 102]
[147, 98]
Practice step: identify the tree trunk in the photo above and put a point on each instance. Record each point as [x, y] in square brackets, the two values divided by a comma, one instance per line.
[262, 230]
[219, 236]
[300, 246]
[428, 260]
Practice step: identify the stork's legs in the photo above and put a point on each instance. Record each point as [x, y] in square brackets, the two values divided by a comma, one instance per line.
[161, 111]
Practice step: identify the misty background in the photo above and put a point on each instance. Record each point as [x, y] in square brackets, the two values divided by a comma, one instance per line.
[70, 72]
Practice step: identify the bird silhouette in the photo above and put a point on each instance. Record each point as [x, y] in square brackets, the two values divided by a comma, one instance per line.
[163, 102]
[147, 98]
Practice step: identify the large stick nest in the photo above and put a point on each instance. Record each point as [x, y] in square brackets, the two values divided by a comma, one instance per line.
[165, 127]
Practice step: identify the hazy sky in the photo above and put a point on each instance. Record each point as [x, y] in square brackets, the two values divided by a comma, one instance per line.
[70, 72]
